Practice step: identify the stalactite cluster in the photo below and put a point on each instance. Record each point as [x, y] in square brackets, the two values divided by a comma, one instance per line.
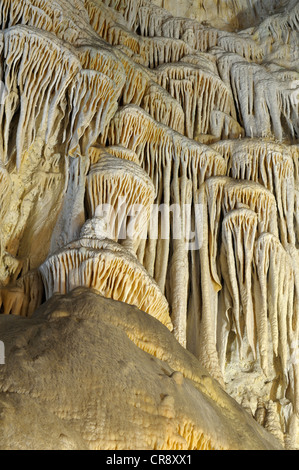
[108, 106]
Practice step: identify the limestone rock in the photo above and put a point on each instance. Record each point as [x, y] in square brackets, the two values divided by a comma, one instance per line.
[149, 151]
[64, 365]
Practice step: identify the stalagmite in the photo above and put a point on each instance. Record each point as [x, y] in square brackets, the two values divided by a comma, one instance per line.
[272, 422]
[101, 264]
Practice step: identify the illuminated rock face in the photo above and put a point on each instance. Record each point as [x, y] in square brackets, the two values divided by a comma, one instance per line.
[149, 155]
[91, 373]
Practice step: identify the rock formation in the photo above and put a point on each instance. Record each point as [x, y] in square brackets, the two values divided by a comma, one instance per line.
[149, 199]
[150, 394]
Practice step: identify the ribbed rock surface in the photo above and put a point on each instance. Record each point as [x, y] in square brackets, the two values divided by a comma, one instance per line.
[90, 373]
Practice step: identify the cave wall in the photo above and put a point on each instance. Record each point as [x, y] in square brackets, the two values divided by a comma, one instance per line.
[191, 106]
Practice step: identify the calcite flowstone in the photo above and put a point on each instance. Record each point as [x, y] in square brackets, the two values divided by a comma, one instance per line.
[86, 372]
[149, 150]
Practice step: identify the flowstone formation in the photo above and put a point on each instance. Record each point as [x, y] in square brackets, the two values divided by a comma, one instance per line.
[149, 209]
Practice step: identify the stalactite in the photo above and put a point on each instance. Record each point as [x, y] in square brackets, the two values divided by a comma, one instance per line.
[163, 108]
[137, 80]
[92, 96]
[271, 165]
[203, 38]
[165, 50]
[239, 229]
[103, 265]
[164, 153]
[150, 19]
[257, 198]
[15, 47]
[242, 45]
[133, 128]
[294, 149]
[272, 423]
[124, 188]
[5, 190]
[142, 15]
[156, 144]
[219, 196]
[278, 27]
[200, 93]
[72, 215]
[275, 172]
[95, 109]
[264, 102]
[5, 193]
[23, 297]
[223, 126]
[268, 296]
[128, 9]
[108, 101]
[47, 16]
[204, 344]
[101, 17]
[102, 60]
[205, 61]
[179, 265]
[276, 306]
[96, 152]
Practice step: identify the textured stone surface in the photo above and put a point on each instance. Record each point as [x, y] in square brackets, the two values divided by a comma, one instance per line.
[89, 372]
[189, 110]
